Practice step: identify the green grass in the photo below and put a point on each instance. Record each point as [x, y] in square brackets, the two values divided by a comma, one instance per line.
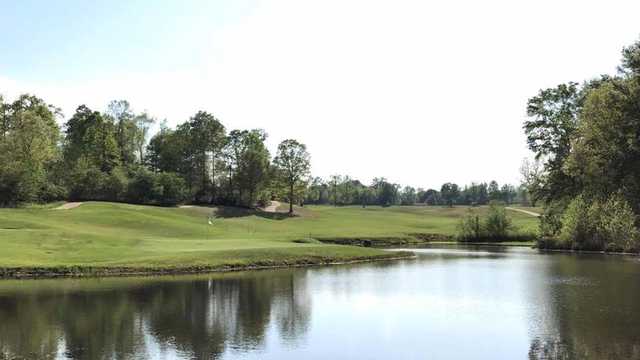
[122, 235]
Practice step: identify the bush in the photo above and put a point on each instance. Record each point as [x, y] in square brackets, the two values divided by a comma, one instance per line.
[170, 189]
[471, 228]
[142, 188]
[618, 225]
[576, 229]
[498, 224]
[599, 225]
[551, 219]
[86, 182]
[53, 192]
[116, 184]
[495, 226]
[9, 185]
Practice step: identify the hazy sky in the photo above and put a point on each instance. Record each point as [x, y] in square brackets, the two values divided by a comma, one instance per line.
[421, 92]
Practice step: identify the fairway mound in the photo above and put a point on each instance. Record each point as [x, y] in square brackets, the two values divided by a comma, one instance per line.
[68, 206]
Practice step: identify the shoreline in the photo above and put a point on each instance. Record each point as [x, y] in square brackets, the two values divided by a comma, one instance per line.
[587, 252]
[36, 273]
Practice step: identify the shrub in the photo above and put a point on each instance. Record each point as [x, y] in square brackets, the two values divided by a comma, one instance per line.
[142, 188]
[576, 228]
[599, 225]
[53, 192]
[618, 225]
[86, 182]
[116, 183]
[470, 228]
[551, 219]
[171, 189]
[497, 224]
[9, 184]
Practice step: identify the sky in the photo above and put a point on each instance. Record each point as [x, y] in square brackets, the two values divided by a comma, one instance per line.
[419, 92]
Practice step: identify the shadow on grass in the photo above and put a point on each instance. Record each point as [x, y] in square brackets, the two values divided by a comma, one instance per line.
[227, 212]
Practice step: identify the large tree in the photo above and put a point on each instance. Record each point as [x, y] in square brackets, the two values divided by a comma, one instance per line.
[208, 138]
[293, 164]
[91, 135]
[252, 166]
[553, 121]
[605, 156]
[201, 140]
[142, 123]
[125, 132]
[28, 146]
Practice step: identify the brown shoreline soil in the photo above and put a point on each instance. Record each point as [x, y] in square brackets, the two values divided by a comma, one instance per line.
[89, 271]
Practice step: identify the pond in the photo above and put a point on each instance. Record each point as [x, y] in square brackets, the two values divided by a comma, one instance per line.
[449, 303]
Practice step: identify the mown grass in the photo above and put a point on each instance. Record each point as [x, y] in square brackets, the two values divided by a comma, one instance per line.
[123, 235]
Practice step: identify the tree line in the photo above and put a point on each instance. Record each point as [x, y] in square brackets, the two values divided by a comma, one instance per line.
[586, 138]
[111, 156]
[344, 190]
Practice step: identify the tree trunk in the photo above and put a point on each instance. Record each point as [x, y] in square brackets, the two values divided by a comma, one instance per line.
[204, 174]
[291, 198]
[213, 177]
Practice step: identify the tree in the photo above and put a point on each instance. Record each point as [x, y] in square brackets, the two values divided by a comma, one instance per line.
[508, 193]
[408, 196]
[553, 123]
[293, 164]
[532, 177]
[605, 156]
[253, 164]
[165, 151]
[119, 112]
[493, 191]
[387, 194]
[207, 139]
[316, 190]
[28, 146]
[170, 189]
[366, 196]
[432, 197]
[91, 135]
[450, 193]
[334, 189]
[631, 60]
[232, 153]
[142, 124]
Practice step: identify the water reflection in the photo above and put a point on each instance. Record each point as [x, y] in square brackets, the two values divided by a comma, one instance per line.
[453, 302]
[590, 306]
[133, 318]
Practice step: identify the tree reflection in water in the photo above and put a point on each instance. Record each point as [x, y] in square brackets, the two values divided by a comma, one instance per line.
[134, 318]
[454, 302]
[585, 308]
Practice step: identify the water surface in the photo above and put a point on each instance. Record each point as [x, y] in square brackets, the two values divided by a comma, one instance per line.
[452, 302]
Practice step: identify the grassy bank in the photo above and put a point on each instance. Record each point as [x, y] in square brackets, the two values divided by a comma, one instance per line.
[96, 237]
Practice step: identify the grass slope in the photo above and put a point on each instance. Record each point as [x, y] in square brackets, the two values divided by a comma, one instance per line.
[122, 235]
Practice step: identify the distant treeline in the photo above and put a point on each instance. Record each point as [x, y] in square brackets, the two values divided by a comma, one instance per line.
[109, 156]
[587, 139]
[343, 190]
